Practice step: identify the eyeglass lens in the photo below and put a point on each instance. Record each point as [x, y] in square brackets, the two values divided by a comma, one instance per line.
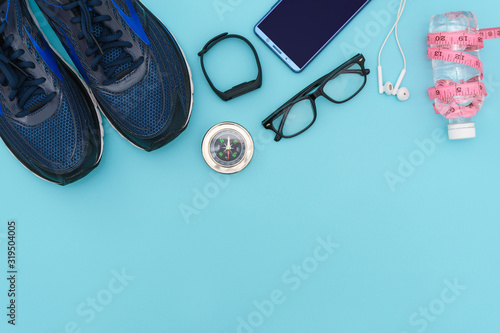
[342, 87]
[298, 117]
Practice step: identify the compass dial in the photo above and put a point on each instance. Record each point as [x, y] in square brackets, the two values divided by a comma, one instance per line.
[227, 148]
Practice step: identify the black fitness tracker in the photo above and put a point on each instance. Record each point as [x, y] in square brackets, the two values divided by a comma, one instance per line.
[240, 89]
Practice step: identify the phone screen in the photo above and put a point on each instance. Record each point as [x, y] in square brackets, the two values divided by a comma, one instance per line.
[301, 28]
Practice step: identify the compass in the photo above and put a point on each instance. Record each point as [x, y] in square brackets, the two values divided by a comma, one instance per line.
[227, 148]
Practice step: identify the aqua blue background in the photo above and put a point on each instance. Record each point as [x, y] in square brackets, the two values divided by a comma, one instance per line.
[201, 273]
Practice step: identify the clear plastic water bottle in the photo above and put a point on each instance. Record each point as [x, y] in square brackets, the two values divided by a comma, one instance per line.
[446, 73]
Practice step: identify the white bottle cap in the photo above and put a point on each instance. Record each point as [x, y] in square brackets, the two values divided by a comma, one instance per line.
[461, 131]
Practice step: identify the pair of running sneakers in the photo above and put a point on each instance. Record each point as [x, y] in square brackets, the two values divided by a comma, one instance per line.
[128, 65]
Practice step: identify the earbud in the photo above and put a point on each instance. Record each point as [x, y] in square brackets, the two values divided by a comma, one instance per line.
[398, 83]
[388, 88]
[403, 94]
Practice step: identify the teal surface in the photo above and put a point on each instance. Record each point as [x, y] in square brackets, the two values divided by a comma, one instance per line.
[311, 237]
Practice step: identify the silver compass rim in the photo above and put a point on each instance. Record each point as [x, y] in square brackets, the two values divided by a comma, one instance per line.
[249, 147]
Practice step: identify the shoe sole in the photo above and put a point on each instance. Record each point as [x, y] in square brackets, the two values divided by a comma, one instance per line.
[94, 99]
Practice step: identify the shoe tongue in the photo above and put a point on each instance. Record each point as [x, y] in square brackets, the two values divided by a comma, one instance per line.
[111, 54]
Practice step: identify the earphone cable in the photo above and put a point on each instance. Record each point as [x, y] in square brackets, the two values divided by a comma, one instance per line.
[402, 4]
[397, 38]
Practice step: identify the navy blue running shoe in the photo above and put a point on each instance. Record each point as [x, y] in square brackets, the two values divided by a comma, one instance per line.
[132, 64]
[47, 118]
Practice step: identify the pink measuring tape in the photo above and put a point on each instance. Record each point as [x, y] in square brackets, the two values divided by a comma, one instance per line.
[447, 93]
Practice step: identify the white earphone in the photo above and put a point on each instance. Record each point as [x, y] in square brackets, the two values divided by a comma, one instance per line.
[402, 93]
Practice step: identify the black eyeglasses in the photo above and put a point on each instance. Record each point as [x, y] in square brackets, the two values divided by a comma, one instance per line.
[339, 86]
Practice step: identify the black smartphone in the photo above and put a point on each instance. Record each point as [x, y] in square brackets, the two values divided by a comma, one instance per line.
[297, 30]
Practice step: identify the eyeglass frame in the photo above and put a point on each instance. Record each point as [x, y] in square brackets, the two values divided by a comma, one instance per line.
[308, 94]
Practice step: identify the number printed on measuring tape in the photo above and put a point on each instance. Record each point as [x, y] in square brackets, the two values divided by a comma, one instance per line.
[463, 38]
[490, 33]
[465, 89]
[455, 56]
[455, 38]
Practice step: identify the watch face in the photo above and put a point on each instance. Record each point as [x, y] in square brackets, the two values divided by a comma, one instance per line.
[227, 148]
